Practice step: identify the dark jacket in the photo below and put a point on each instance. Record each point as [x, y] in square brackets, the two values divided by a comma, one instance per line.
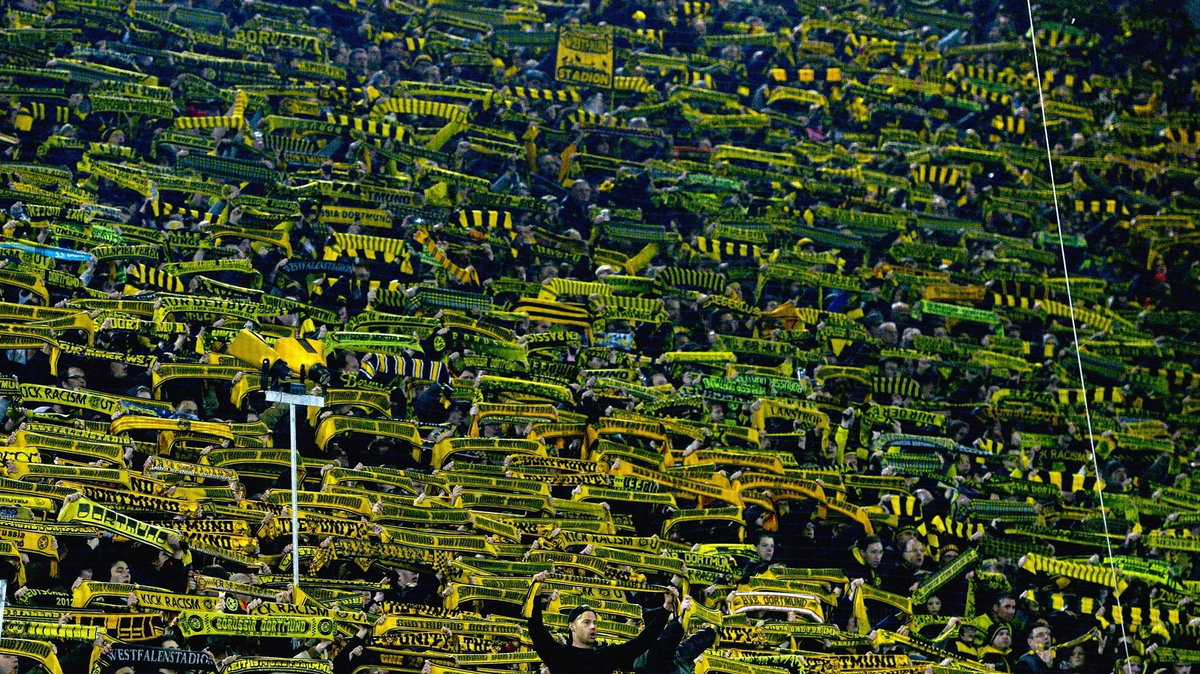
[1030, 663]
[672, 654]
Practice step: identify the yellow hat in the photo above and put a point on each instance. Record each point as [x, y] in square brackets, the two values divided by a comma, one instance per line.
[24, 120]
[639, 15]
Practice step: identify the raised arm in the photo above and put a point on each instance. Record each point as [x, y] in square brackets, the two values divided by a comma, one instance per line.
[543, 641]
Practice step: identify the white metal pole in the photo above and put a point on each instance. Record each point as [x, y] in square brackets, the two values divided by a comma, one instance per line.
[3, 598]
[295, 509]
[294, 400]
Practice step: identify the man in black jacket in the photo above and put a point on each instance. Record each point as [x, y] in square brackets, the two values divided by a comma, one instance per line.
[1040, 655]
[672, 654]
[582, 655]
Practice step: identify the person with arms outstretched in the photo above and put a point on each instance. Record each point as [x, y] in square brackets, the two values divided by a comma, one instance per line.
[582, 655]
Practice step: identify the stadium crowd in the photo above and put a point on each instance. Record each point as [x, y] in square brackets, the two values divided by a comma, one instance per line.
[837, 337]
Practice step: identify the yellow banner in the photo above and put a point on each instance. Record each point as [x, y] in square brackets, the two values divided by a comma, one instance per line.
[585, 55]
[83, 510]
[256, 625]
